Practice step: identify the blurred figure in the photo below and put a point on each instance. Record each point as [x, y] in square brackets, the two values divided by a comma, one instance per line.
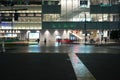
[38, 40]
[105, 40]
[98, 41]
[45, 41]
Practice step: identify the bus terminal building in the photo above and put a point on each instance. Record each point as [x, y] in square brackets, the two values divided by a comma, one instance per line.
[53, 19]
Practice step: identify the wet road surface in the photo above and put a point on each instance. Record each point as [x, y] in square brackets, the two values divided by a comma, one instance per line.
[102, 66]
[36, 67]
[81, 71]
[60, 48]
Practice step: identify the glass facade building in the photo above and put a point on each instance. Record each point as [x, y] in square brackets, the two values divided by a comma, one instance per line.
[52, 19]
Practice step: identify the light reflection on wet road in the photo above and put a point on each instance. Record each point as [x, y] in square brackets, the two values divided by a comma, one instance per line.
[60, 48]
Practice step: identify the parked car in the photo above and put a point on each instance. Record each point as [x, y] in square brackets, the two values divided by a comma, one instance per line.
[65, 40]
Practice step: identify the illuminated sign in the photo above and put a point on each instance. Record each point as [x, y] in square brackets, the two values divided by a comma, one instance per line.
[6, 25]
[33, 35]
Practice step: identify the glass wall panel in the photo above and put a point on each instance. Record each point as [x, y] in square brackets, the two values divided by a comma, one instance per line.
[26, 13]
[103, 2]
[29, 19]
[71, 10]
[104, 17]
[51, 17]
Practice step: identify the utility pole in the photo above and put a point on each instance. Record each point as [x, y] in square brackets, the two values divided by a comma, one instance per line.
[85, 28]
[85, 21]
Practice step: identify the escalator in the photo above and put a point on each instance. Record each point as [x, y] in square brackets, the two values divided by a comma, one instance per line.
[77, 38]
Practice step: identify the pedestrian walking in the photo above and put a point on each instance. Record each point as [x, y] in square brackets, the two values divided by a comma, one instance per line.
[105, 40]
[45, 41]
[38, 40]
[98, 41]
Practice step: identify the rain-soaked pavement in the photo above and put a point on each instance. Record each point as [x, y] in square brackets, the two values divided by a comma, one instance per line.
[82, 73]
[60, 48]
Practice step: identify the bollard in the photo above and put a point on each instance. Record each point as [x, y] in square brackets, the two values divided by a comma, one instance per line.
[3, 47]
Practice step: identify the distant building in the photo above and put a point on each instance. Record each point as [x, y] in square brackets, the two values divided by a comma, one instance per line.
[32, 19]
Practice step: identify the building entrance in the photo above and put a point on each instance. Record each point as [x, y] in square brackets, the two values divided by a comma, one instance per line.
[34, 36]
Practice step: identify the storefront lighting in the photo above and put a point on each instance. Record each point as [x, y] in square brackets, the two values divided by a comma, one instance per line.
[28, 31]
[56, 32]
[6, 31]
[18, 31]
[98, 32]
[91, 32]
[3, 31]
[83, 34]
[37, 31]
